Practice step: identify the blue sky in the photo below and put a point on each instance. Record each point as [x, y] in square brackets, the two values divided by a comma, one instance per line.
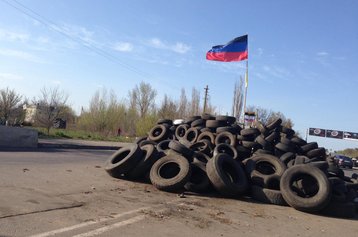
[303, 55]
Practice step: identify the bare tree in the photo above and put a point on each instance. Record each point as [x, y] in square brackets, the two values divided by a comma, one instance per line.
[183, 104]
[168, 108]
[237, 103]
[9, 99]
[143, 97]
[266, 116]
[51, 105]
[105, 114]
[194, 108]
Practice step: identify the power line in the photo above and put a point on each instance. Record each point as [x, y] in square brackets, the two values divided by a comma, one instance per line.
[54, 27]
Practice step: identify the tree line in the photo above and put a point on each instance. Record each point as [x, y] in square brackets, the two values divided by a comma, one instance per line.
[135, 114]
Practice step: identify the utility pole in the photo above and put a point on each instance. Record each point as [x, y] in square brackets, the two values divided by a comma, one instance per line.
[206, 97]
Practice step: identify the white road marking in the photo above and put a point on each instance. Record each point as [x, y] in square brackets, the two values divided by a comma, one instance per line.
[54, 232]
[110, 227]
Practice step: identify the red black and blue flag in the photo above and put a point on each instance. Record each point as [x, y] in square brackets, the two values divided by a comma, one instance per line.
[235, 50]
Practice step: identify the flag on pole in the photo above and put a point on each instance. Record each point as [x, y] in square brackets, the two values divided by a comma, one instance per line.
[235, 50]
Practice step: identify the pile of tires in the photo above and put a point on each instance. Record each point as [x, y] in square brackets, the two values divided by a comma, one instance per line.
[266, 162]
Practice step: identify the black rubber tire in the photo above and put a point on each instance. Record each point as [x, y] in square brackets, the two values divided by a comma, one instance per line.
[250, 138]
[123, 161]
[284, 147]
[318, 152]
[274, 124]
[181, 149]
[301, 160]
[242, 152]
[262, 168]
[227, 149]
[309, 146]
[205, 130]
[298, 141]
[226, 129]
[339, 209]
[288, 131]
[263, 130]
[200, 157]
[165, 121]
[146, 142]
[269, 196]
[163, 146]
[207, 116]
[262, 151]
[252, 146]
[313, 203]
[181, 130]
[199, 181]
[170, 173]
[335, 171]
[285, 158]
[286, 141]
[227, 175]
[189, 120]
[207, 135]
[202, 146]
[198, 122]
[191, 135]
[227, 119]
[263, 143]
[149, 157]
[225, 137]
[215, 123]
[322, 165]
[158, 133]
[250, 132]
[273, 137]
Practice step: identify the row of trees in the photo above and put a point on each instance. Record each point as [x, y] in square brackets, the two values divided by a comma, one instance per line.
[137, 113]
[106, 112]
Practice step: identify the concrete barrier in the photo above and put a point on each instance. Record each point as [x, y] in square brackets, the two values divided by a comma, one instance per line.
[15, 137]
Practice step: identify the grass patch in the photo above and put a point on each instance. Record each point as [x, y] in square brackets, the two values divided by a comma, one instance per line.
[79, 134]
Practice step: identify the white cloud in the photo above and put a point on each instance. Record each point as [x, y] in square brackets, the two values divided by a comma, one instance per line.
[181, 48]
[76, 32]
[123, 46]
[322, 54]
[157, 43]
[10, 77]
[13, 36]
[277, 72]
[178, 47]
[19, 54]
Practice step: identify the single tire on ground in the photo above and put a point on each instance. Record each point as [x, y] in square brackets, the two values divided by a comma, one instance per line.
[123, 161]
[170, 173]
[227, 175]
[317, 179]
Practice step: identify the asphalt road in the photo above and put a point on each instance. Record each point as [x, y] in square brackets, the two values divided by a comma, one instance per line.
[68, 193]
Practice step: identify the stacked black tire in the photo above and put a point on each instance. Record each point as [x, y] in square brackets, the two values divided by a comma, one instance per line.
[268, 163]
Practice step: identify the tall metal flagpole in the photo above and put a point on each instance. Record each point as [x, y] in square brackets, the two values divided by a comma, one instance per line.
[246, 80]
[246, 85]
